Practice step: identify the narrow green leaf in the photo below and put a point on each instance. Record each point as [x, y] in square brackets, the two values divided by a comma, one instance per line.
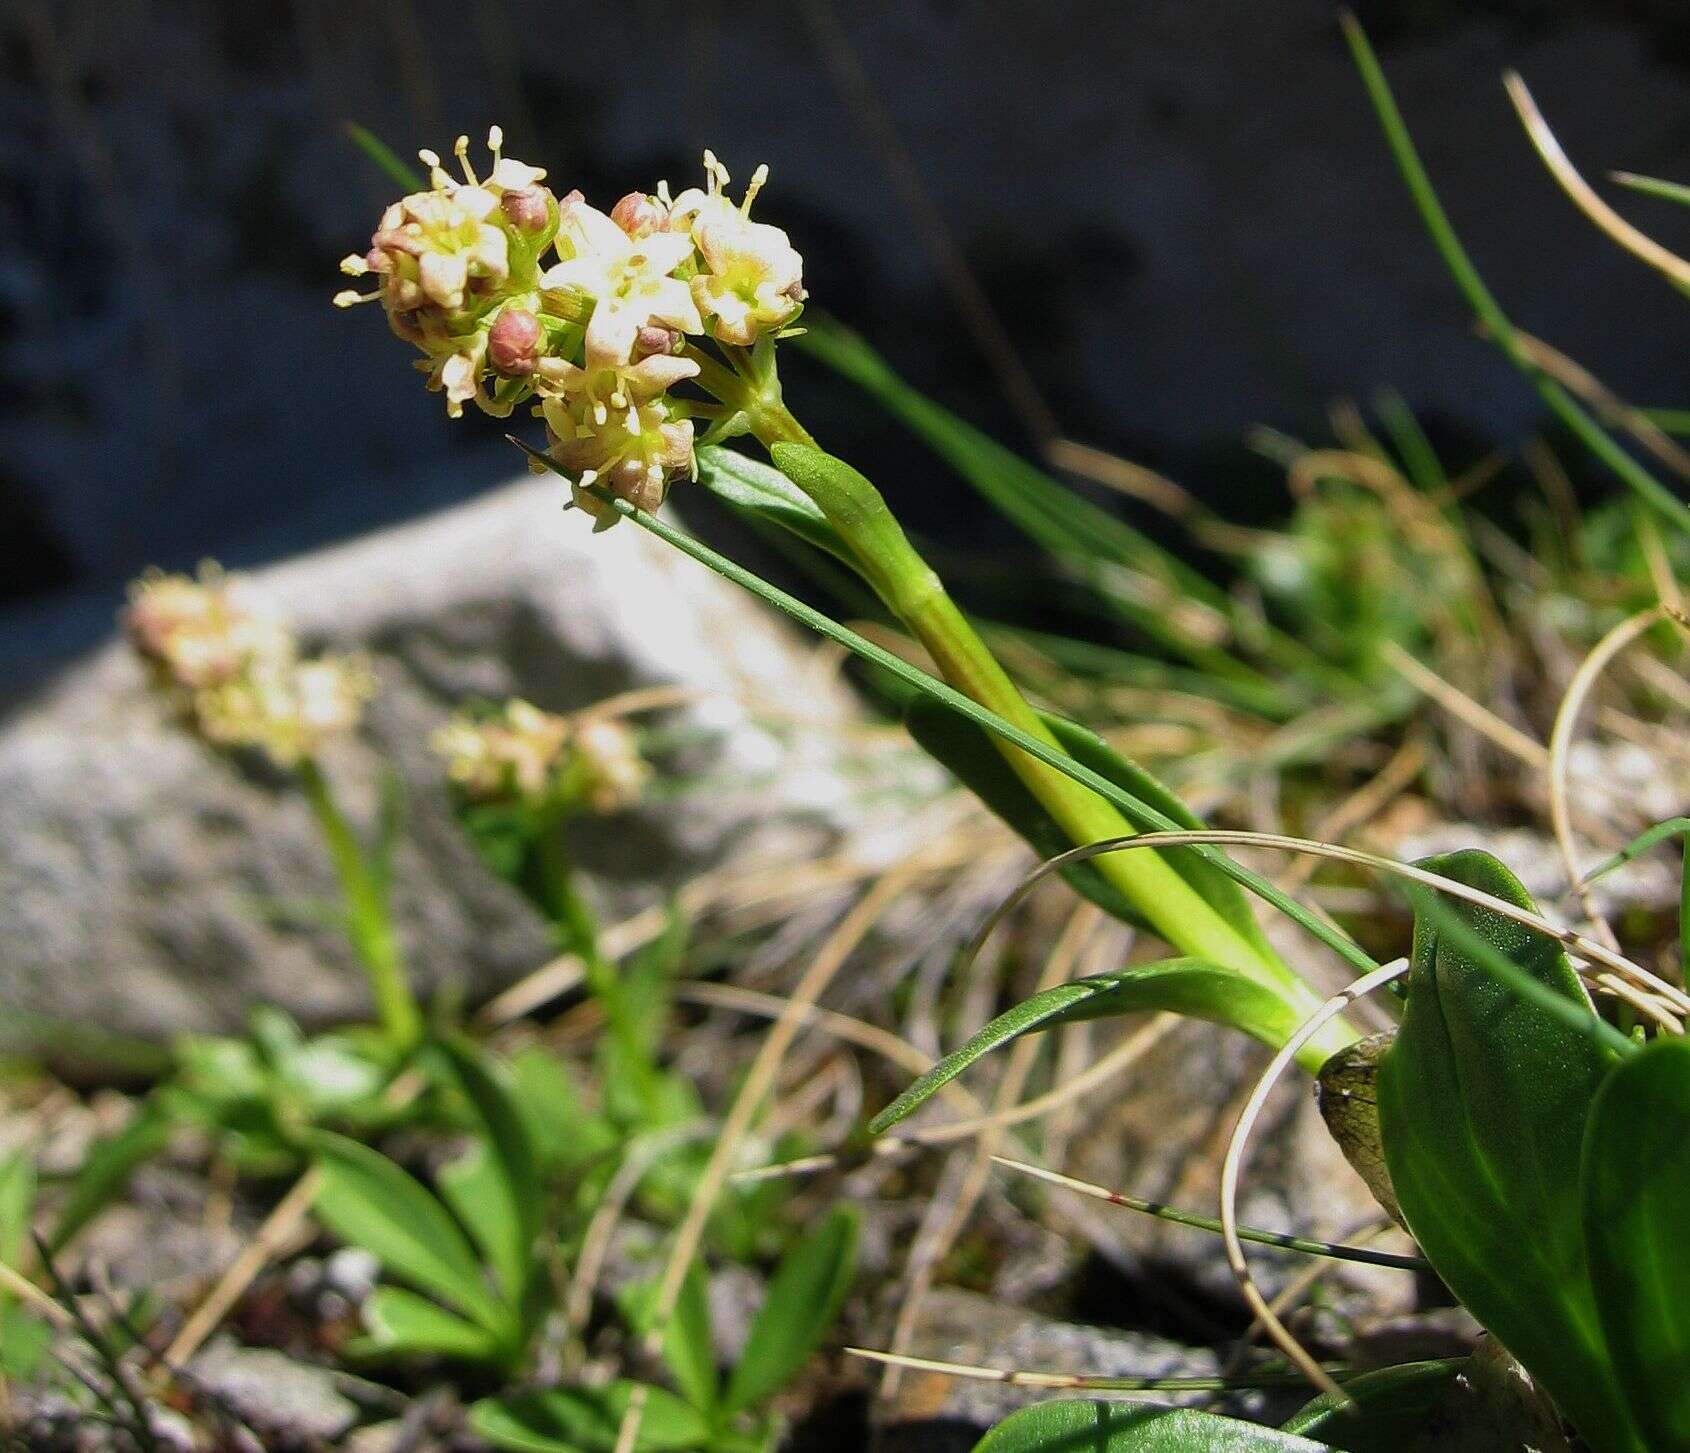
[399, 1323]
[586, 1420]
[808, 1289]
[762, 491]
[1483, 1099]
[1191, 987]
[688, 1348]
[17, 1206]
[474, 1190]
[397, 171]
[1637, 1231]
[1111, 1427]
[368, 1201]
[510, 1217]
[106, 1170]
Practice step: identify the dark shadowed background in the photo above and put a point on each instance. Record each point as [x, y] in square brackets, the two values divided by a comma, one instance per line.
[1181, 213]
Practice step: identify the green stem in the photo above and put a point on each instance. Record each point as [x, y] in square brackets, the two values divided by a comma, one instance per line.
[575, 917]
[369, 924]
[913, 592]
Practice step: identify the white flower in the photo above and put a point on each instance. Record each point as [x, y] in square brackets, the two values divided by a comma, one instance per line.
[628, 280]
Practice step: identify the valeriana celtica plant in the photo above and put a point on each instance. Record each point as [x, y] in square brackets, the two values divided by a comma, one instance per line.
[237, 680]
[642, 335]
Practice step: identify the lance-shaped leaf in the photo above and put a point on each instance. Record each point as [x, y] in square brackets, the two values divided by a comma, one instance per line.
[762, 490]
[1637, 1230]
[1483, 1100]
[1191, 987]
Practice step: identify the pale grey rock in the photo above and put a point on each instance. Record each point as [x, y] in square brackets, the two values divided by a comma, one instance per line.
[293, 1403]
[140, 873]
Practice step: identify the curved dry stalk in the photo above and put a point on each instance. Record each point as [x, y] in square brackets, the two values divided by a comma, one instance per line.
[638, 699]
[944, 1224]
[1233, 1163]
[829, 959]
[1465, 709]
[1639, 244]
[278, 1226]
[1310, 1246]
[1361, 806]
[1015, 1377]
[1560, 747]
[1221, 837]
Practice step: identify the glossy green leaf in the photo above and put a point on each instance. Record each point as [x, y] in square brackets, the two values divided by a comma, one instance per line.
[1408, 1409]
[688, 1347]
[368, 1201]
[507, 1218]
[586, 1420]
[399, 1323]
[763, 491]
[1112, 1427]
[1637, 1230]
[1191, 987]
[808, 1289]
[1483, 1099]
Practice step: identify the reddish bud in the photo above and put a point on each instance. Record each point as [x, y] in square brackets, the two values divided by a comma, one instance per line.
[528, 207]
[513, 342]
[653, 339]
[639, 216]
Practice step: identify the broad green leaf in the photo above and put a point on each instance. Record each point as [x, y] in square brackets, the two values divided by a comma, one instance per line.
[1637, 1231]
[687, 1344]
[968, 751]
[1191, 987]
[106, 1170]
[1483, 1099]
[1407, 1409]
[508, 1217]
[400, 1323]
[763, 491]
[586, 1420]
[1112, 1427]
[474, 1190]
[368, 1201]
[808, 1289]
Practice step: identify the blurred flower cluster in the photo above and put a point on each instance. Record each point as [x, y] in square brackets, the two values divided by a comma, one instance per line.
[236, 674]
[600, 336]
[519, 755]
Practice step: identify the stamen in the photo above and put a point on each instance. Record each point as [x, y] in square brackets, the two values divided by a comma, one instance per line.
[460, 149]
[350, 298]
[716, 172]
[495, 142]
[354, 265]
[758, 177]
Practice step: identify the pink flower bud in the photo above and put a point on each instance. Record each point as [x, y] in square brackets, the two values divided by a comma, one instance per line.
[513, 342]
[652, 339]
[639, 216]
[528, 207]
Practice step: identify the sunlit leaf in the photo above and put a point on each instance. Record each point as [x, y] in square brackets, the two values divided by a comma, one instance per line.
[368, 1201]
[763, 491]
[1110, 1427]
[401, 1323]
[1483, 1099]
[1414, 1408]
[1637, 1229]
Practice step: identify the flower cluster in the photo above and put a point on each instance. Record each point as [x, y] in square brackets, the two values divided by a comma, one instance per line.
[600, 336]
[235, 674]
[524, 756]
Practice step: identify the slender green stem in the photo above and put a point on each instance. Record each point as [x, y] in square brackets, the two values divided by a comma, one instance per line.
[369, 923]
[575, 917]
[1479, 297]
